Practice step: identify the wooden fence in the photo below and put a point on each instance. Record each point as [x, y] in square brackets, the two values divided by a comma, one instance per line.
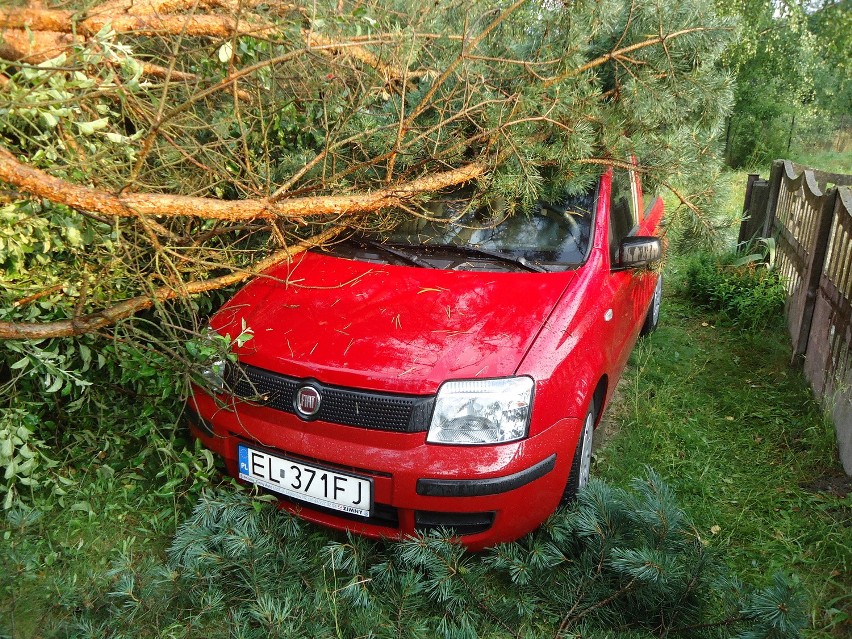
[809, 213]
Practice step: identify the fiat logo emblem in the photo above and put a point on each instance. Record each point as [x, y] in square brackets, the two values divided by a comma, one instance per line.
[307, 401]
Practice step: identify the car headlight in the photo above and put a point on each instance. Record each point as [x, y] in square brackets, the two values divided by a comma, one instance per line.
[482, 411]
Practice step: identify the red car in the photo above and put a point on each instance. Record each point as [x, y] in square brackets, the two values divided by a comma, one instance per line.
[445, 375]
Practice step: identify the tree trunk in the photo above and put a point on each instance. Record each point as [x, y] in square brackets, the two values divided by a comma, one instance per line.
[41, 184]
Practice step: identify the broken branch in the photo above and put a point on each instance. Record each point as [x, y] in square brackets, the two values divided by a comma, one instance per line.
[212, 25]
[41, 184]
[122, 310]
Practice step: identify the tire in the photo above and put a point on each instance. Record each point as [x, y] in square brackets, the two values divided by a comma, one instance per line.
[581, 465]
[652, 318]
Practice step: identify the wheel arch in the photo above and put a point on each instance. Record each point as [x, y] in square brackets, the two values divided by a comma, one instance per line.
[599, 397]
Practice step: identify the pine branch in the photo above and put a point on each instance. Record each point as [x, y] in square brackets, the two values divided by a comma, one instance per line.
[59, 21]
[619, 53]
[568, 621]
[41, 184]
[90, 323]
[148, 141]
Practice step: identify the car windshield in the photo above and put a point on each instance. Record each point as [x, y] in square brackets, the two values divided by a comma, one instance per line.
[452, 232]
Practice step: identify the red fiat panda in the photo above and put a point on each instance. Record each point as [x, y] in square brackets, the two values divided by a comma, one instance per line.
[445, 375]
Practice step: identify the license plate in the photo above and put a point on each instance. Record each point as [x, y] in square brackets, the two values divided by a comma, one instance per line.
[320, 486]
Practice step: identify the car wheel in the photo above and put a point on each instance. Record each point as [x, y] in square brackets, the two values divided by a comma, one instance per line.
[653, 316]
[582, 463]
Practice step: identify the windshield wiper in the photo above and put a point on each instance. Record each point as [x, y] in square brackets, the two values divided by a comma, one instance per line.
[496, 255]
[400, 255]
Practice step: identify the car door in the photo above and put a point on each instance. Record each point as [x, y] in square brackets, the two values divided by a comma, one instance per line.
[626, 285]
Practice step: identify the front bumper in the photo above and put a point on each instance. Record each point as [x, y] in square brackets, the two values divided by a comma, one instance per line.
[484, 494]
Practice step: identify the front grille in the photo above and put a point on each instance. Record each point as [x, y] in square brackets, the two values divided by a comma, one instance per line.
[364, 409]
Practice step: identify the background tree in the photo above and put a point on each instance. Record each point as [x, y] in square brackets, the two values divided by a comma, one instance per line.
[794, 69]
[831, 21]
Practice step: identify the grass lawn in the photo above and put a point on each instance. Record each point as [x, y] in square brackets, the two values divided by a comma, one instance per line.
[721, 415]
[830, 161]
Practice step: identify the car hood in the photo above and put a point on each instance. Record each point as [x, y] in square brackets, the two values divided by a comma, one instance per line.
[389, 328]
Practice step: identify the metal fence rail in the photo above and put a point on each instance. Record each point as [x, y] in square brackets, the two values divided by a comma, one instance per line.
[810, 214]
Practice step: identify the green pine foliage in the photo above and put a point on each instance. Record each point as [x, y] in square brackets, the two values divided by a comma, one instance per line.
[539, 93]
[618, 563]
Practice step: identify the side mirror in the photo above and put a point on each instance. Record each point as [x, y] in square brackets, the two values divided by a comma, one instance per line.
[637, 251]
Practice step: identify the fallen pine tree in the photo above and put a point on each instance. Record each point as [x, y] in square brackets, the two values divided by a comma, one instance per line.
[217, 135]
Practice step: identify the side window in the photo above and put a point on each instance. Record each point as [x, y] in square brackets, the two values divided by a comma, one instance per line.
[623, 215]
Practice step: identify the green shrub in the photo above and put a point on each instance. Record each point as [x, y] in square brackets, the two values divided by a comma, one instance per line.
[23, 457]
[746, 292]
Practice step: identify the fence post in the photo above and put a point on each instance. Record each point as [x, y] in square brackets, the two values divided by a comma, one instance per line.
[774, 190]
[747, 214]
[814, 271]
[751, 179]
